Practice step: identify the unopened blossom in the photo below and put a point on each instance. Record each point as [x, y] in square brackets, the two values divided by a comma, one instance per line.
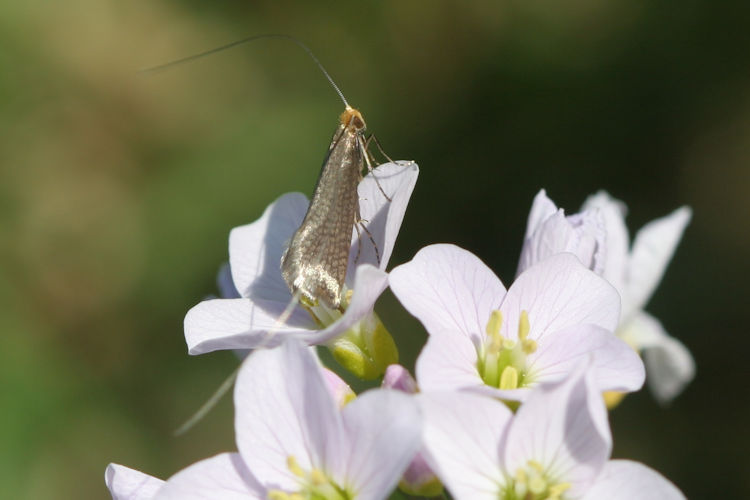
[556, 447]
[505, 343]
[599, 237]
[295, 442]
[549, 232]
[263, 314]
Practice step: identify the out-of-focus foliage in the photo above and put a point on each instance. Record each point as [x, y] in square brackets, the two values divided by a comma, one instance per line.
[118, 192]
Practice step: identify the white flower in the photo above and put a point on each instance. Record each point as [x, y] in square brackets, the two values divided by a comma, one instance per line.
[636, 272]
[500, 343]
[556, 447]
[599, 238]
[255, 251]
[292, 438]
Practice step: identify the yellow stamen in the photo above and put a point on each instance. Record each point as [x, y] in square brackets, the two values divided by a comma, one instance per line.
[317, 477]
[294, 467]
[493, 326]
[557, 490]
[278, 495]
[523, 325]
[509, 378]
[529, 346]
[536, 466]
[537, 485]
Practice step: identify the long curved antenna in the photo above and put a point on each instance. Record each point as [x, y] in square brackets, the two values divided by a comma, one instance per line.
[177, 62]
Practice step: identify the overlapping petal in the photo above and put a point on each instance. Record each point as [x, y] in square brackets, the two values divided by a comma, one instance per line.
[626, 480]
[447, 287]
[383, 433]
[463, 437]
[669, 364]
[283, 409]
[223, 476]
[550, 232]
[264, 314]
[564, 428]
[559, 293]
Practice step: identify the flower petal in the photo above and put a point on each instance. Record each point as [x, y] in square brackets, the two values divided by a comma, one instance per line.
[129, 484]
[653, 248]
[580, 234]
[625, 480]
[241, 324]
[462, 435]
[669, 364]
[383, 217]
[383, 428]
[223, 476]
[283, 409]
[255, 249]
[224, 283]
[447, 287]
[542, 208]
[369, 283]
[564, 428]
[447, 362]
[615, 365]
[557, 293]
[617, 240]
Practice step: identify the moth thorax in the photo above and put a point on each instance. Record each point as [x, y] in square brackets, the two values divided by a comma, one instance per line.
[352, 119]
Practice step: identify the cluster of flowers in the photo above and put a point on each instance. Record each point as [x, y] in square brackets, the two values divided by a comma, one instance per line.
[510, 389]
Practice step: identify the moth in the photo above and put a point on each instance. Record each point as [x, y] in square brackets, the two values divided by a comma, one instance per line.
[314, 265]
[315, 262]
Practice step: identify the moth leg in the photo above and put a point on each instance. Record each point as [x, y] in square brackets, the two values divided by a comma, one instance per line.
[361, 222]
[371, 169]
[380, 148]
[359, 239]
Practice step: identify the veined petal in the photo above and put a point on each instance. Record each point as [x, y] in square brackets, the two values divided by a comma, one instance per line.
[241, 324]
[283, 409]
[541, 209]
[255, 249]
[369, 283]
[125, 483]
[580, 234]
[463, 435]
[557, 293]
[383, 217]
[669, 364]
[447, 287]
[653, 248]
[447, 362]
[625, 480]
[615, 365]
[617, 239]
[223, 476]
[564, 428]
[383, 433]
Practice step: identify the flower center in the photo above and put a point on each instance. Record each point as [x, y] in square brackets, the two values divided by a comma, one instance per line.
[532, 483]
[314, 485]
[502, 361]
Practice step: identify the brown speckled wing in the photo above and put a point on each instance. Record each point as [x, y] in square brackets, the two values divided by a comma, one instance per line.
[316, 260]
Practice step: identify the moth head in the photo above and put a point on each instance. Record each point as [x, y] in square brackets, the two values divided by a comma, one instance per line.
[352, 119]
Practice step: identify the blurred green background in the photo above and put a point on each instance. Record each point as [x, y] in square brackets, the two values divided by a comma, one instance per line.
[118, 192]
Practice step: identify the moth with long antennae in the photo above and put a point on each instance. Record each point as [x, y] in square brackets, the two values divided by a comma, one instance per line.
[315, 263]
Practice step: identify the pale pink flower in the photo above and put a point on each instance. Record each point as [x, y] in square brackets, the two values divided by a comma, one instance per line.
[504, 343]
[557, 446]
[255, 252]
